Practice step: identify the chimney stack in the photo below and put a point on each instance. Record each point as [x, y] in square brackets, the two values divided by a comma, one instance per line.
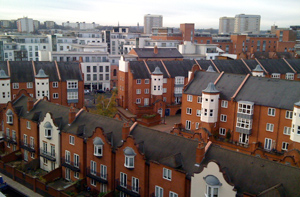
[200, 153]
[72, 114]
[155, 49]
[125, 131]
[29, 104]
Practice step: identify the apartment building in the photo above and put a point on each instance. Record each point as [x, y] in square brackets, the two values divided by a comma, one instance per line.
[247, 23]
[25, 25]
[226, 25]
[111, 154]
[151, 21]
[198, 51]
[252, 112]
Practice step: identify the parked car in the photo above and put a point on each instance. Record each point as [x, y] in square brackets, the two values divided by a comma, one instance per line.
[86, 91]
[100, 91]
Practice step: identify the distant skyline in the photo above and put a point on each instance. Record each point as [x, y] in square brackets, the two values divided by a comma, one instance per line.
[205, 14]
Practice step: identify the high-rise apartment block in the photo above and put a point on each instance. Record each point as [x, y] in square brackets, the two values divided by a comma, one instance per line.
[152, 21]
[241, 23]
[226, 25]
[25, 25]
[247, 24]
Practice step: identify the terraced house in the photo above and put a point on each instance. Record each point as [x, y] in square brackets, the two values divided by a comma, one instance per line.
[60, 82]
[128, 159]
[256, 115]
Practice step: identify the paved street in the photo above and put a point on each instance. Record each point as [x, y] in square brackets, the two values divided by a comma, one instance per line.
[19, 187]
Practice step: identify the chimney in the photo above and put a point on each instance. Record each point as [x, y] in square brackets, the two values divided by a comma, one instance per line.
[200, 153]
[29, 104]
[155, 49]
[80, 59]
[72, 114]
[251, 50]
[125, 131]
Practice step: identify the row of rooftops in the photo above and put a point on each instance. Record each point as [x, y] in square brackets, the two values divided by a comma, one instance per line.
[171, 69]
[247, 173]
[21, 71]
[269, 92]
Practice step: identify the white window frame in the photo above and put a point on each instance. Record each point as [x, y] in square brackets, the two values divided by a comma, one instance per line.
[289, 76]
[165, 80]
[159, 191]
[271, 111]
[138, 91]
[55, 84]
[223, 118]
[164, 90]
[9, 119]
[167, 174]
[138, 101]
[32, 142]
[15, 85]
[224, 104]
[222, 131]
[138, 81]
[210, 191]
[285, 146]
[96, 150]
[71, 139]
[146, 81]
[178, 90]
[67, 156]
[48, 132]
[188, 125]
[270, 127]
[244, 123]
[135, 184]
[76, 160]
[197, 125]
[103, 171]
[287, 130]
[268, 144]
[72, 84]
[29, 85]
[179, 80]
[244, 108]
[146, 91]
[55, 95]
[288, 114]
[93, 182]
[93, 168]
[243, 138]
[198, 112]
[72, 95]
[123, 179]
[129, 161]
[189, 111]
[189, 98]
[28, 125]
[199, 99]
[173, 194]
[275, 75]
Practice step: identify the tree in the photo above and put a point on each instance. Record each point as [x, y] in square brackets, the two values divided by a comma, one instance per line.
[106, 106]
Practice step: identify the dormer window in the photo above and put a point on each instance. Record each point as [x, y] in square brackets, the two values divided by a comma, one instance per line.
[129, 157]
[212, 186]
[9, 117]
[48, 130]
[98, 147]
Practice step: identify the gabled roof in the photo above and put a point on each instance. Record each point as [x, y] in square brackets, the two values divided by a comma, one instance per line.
[49, 68]
[232, 66]
[252, 174]
[157, 146]
[69, 71]
[262, 91]
[162, 53]
[21, 72]
[276, 66]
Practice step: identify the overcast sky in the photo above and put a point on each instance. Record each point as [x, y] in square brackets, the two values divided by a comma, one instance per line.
[204, 13]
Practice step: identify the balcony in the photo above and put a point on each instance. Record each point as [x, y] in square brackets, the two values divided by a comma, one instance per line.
[70, 164]
[127, 189]
[48, 155]
[9, 139]
[102, 178]
[28, 147]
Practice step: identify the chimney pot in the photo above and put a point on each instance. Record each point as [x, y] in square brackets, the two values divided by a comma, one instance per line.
[125, 131]
[155, 49]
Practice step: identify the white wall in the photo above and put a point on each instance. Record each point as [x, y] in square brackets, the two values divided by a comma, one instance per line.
[210, 105]
[198, 184]
[41, 85]
[5, 88]
[296, 122]
[55, 140]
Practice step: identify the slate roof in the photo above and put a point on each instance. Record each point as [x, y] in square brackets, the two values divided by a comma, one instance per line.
[269, 92]
[22, 71]
[175, 68]
[162, 53]
[200, 82]
[276, 66]
[295, 63]
[252, 174]
[232, 66]
[204, 64]
[168, 149]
